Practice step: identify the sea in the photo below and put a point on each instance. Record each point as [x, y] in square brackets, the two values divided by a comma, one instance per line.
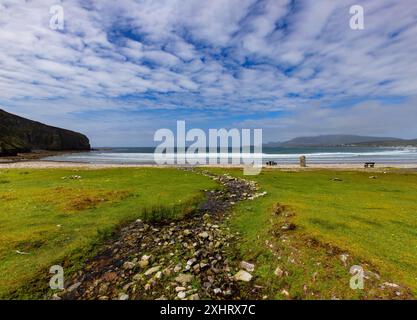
[281, 155]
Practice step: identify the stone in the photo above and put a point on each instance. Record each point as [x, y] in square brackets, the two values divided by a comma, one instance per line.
[206, 218]
[303, 162]
[184, 278]
[143, 263]
[128, 265]
[178, 289]
[391, 285]
[247, 266]
[278, 272]
[109, 276]
[181, 295]
[56, 297]
[288, 226]
[74, 287]
[145, 257]
[123, 296]
[194, 296]
[203, 235]
[344, 257]
[242, 275]
[178, 267]
[152, 270]
[285, 293]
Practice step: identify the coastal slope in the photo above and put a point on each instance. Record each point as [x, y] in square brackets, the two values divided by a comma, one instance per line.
[337, 140]
[18, 135]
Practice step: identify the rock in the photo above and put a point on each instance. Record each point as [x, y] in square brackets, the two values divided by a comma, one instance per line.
[194, 296]
[184, 278]
[242, 275]
[143, 263]
[178, 267]
[288, 226]
[145, 257]
[152, 270]
[203, 235]
[102, 290]
[74, 287]
[217, 290]
[390, 285]
[247, 266]
[109, 276]
[303, 162]
[123, 296]
[337, 179]
[181, 295]
[285, 293]
[178, 289]
[56, 297]
[344, 257]
[278, 272]
[206, 218]
[128, 265]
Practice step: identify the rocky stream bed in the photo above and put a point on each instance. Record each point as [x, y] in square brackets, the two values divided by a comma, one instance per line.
[182, 259]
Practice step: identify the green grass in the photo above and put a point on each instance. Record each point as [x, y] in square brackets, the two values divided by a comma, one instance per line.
[373, 219]
[54, 217]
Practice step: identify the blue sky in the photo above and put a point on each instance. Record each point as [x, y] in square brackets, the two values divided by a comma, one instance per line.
[119, 70]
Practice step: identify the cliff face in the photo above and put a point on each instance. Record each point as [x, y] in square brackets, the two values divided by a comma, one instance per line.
[18, 134]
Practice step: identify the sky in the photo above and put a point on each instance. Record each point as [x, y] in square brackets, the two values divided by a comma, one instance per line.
[120, 70]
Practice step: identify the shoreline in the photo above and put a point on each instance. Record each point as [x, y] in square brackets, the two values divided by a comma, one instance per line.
[45, 164]
[37, 155]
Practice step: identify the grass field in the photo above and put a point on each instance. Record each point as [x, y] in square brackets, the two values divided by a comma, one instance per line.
[373, 219]
[55, 214]
[58, 215]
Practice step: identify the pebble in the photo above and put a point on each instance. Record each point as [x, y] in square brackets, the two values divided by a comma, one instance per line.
[278, 272]
[152, 270]
[184, 278]
[123, 296]
[247, 266]
[242, 275]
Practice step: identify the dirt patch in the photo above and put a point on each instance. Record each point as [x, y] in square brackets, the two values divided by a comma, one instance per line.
[73, 200]
[7, 196]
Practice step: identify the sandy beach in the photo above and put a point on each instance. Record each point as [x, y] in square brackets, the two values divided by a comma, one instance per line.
[39, 164]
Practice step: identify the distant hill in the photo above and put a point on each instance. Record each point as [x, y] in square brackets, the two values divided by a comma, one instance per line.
[343, 140]
[18, 135]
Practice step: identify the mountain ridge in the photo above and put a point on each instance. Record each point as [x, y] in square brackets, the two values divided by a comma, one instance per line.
[336, 140]
[20, 135]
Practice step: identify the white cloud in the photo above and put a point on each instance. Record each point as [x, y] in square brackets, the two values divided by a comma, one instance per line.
[238, 57]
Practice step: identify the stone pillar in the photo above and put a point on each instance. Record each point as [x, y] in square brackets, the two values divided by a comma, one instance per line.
[303, 161]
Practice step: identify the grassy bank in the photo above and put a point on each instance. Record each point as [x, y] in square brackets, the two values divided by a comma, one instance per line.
[372, 216]
[50, 215]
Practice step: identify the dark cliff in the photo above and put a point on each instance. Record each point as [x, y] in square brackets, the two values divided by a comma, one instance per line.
[18, 134]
